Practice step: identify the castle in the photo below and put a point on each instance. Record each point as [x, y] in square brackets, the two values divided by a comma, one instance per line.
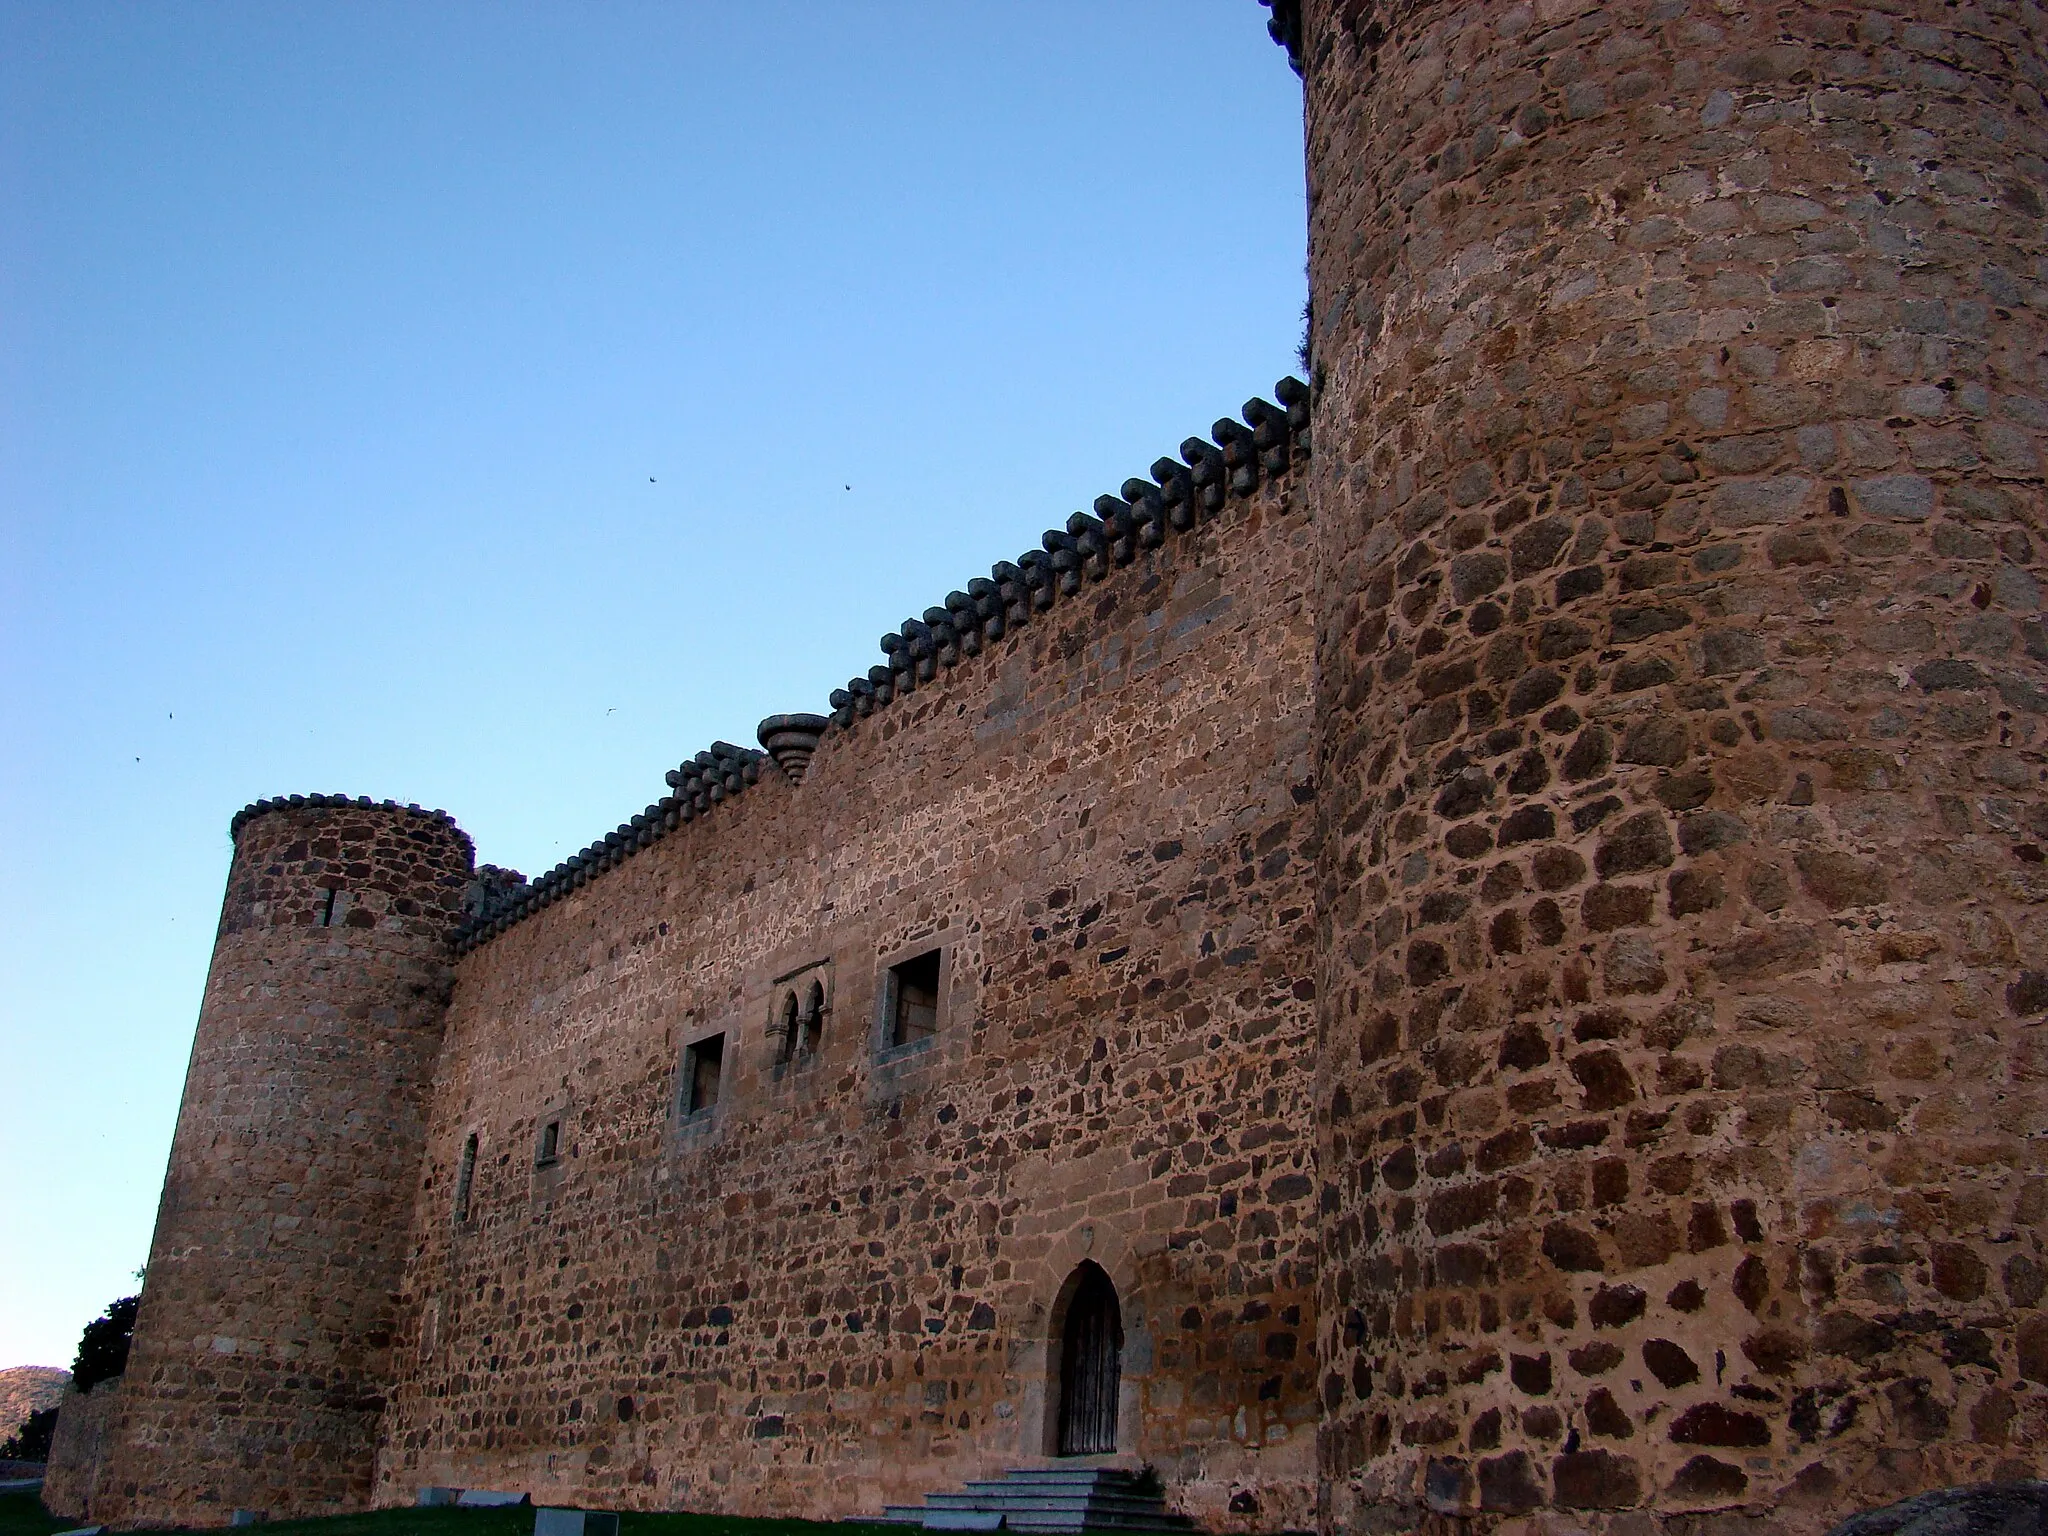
[1471, 949]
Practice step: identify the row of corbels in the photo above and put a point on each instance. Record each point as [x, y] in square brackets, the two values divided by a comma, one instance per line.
[1264, 445]
[257, 808]
[710, 777]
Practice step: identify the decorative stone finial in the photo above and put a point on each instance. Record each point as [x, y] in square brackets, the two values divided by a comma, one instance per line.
[790, 740]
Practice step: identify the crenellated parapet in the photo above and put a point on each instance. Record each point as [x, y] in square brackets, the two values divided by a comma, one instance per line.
[713, 776]
[1285, 26]
[348, 862]
[257, 808]
[1235, 460]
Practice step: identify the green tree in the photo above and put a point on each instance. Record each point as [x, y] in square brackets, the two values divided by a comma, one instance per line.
[103, 1347]
[31, 1442]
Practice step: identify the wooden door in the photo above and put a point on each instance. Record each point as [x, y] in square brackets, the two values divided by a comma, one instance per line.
[1091, 1365]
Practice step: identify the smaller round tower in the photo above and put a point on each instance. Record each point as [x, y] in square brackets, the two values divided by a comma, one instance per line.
[261, 1352]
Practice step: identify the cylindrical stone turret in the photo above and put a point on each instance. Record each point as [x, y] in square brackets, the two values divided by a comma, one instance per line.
[1679, 405]
[261, 1351]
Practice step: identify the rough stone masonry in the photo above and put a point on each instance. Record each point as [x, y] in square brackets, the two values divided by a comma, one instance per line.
[1494, 907]
[1680, 727]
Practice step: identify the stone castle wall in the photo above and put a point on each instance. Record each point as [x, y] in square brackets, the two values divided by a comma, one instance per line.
[261, 1355]
[78, 1450]
[837, 1288]
[1679, 414]
[1516, 943]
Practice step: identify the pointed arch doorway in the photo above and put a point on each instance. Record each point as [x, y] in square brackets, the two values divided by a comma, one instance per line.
[1091, 1363]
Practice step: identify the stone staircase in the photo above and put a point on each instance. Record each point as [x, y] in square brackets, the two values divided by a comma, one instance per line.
[1048, 1499]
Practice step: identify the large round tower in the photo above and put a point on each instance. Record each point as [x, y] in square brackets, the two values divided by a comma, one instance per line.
[1679, 409]
[260, 1355]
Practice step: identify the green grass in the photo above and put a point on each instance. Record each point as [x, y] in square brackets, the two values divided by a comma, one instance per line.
[22, 1514]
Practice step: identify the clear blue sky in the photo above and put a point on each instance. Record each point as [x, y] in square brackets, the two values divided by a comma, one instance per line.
[490, 405]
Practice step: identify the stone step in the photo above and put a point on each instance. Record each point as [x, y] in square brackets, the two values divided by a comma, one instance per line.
[1049, 1499]
[1067, 1488]
[1046, 1498]
[1043, 1520]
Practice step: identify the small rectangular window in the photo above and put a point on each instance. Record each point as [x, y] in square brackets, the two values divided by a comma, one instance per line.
[703, 1064]
[550, 1149]
[465, 1175]
[330, 908]
[914, 999]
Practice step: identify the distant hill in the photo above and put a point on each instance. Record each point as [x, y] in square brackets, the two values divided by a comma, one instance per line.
[24, 1389]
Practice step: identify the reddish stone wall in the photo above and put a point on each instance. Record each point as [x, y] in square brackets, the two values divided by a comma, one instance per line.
[1682, 726]
[836, 1289]
[258, 1370]
[77, 1451]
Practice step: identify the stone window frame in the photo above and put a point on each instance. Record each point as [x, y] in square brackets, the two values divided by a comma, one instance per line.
[793, 991]
[462, 1209]
[689, 1113]
[332, 910]
[430, 1329]
[549, 1173]
[684, 1127]
[885, 1047]
[548, 1138]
